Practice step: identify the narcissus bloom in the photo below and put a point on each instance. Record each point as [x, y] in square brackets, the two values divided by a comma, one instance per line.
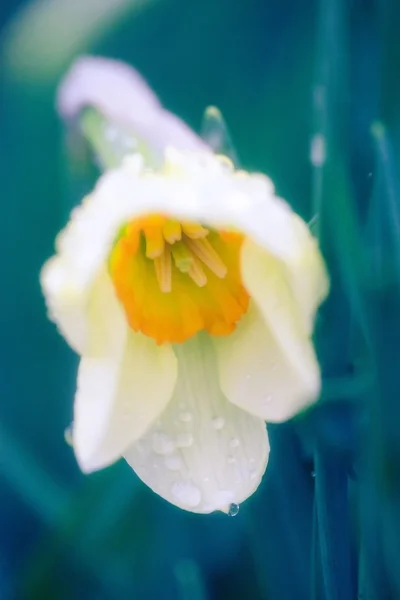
[190, 292]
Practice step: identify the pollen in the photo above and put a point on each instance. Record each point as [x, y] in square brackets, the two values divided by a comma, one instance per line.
[175, 279]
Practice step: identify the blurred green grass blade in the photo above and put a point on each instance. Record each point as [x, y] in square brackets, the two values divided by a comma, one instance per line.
[333, 202]
[383, 227]
[381, 478]
[46, 35]
[341, 242]
[284, 522]
[333, 523]
[317, 589]
[189, 580]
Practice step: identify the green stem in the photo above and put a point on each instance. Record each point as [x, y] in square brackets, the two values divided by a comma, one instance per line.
[94, 128]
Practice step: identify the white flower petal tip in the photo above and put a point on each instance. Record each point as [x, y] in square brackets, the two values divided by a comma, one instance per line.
[105, 83]
[118, 397]
[259, 374]
[121, 94]
[203, 454]
[268, 365]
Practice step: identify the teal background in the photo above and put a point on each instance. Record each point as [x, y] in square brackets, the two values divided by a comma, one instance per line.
[325, 523]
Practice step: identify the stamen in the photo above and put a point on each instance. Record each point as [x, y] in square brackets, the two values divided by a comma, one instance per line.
[130, 239]
[206, 253]
[172, 231]
[183, 258]
[154, 241]
[179, 296]
[163, 269]
[194, 231]
[196, 273]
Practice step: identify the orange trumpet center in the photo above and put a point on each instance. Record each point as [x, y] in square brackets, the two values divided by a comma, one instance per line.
[175, 279]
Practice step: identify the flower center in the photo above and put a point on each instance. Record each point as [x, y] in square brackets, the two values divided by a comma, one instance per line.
[175, 279]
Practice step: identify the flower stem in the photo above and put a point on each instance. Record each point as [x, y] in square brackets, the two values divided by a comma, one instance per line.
[101, 136]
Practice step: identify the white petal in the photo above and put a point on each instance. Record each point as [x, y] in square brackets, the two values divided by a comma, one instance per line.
[124, 383]
[67, 279]
[122, 95]
[277, 355]
[203, 453]
[306, 272]
[268, 372]
[111, 85]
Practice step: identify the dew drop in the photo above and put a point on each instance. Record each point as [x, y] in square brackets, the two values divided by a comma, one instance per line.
[253, 474]
[231, 460]
[218, 423]
[233, 510]
[162, 444]
[184, 440]
[68, 435]
[173, 462]
[186, 493]
[234, 443]
[185, 417]
[248, 377]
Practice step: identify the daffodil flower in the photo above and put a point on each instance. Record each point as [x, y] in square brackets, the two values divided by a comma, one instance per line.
[189, 290]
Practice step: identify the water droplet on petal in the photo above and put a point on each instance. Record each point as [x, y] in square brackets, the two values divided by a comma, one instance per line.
[185, 417]
[253, 474]
[233, 510]
[267, 399]
[234, 443]
[173, 462]
[218, 423]
[231, 460]
[162, 443]
[248, 377]
[184, 440]
[187, 493]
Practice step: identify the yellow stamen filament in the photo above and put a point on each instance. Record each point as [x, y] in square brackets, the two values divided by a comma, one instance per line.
[194, 231]
[183, 258]
[194, 283]
[163, 269]
[172, 231]
[206, 253]
[154, 241]
[196, 273]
